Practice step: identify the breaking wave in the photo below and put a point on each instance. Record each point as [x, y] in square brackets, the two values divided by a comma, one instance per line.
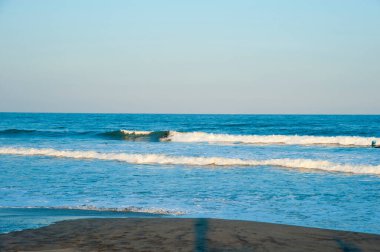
[270, 139]
[194, 137]
[197, 137]
[196, 161]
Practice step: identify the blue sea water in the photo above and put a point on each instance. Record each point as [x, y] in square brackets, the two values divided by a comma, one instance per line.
[309, 170]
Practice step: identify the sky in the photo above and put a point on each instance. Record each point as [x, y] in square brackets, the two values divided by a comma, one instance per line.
[198, 56]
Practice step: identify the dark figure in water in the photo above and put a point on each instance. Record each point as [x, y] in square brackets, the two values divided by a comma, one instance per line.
[373, 144]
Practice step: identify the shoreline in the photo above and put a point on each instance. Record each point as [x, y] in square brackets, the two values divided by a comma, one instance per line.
[183, 234]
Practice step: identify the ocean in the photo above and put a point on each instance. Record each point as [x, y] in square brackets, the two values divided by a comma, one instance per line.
[308, 170]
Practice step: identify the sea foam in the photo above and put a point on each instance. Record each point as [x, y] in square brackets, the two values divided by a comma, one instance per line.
[135, 132]
[175, 136]
[160, 159]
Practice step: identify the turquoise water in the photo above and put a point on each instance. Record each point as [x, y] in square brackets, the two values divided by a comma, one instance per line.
[317, 171]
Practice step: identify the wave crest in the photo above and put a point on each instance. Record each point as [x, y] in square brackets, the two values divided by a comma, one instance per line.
[160, 159]
[130, 135]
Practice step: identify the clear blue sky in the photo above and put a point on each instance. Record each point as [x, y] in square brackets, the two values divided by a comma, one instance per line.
[198, 56]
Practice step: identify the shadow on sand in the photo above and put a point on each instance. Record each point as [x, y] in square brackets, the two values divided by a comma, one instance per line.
[200, 227]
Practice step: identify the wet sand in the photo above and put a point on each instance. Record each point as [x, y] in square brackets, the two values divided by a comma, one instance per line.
[176, 234]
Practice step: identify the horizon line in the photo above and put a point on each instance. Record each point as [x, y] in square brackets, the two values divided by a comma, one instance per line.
[171, 113]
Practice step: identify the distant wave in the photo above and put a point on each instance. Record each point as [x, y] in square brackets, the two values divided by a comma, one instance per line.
[16, 131]
[270, 139]
[130, 209]
[194, 137]
[128, 135]
[195, 161]
[44, 133]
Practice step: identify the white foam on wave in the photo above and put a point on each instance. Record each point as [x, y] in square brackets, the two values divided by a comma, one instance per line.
[135, 132]
[196, 161]
[175, 136]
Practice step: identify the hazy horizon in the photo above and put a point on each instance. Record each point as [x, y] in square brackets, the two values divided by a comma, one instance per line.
[197, 57]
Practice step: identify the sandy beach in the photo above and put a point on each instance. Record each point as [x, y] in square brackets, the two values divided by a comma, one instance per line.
[176, 234]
